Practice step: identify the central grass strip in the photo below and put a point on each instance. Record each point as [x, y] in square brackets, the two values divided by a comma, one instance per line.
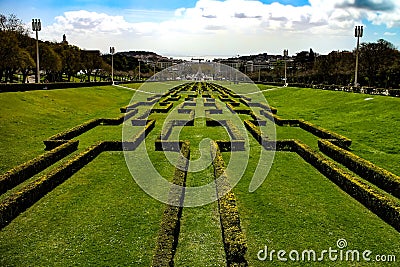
[170, 224]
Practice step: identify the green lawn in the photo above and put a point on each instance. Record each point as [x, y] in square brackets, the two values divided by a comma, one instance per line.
[373, 124]
[100, 216]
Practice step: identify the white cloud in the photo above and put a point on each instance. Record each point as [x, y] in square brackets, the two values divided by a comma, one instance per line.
[233, 26]
[390, 34]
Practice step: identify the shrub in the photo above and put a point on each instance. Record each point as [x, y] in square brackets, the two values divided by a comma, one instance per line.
[378, 203]
[19, 201]
[342, 141]
[367, 170]
[234, 239]
[71, 133]
[30, 168]
[170, 223]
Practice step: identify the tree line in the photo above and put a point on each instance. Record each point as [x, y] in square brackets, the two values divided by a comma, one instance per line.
[379, 66]
[58, 61]
[379, 62]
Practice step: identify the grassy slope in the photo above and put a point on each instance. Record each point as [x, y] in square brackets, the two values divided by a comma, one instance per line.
[96, 218]
[373, 125]
[99, 215]
[28, 118]
[298, 208]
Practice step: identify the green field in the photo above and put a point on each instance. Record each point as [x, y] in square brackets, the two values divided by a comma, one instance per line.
[101, 217]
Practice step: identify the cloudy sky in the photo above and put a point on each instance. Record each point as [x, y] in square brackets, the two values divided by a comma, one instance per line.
[211, 27]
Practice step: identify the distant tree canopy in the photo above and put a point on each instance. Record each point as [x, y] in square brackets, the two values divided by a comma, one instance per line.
[379, 66]
[58, 61]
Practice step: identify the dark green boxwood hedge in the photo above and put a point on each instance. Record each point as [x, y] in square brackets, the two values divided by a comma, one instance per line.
[168, 234]
[234, 239]
[367, 170]
[342, 141]
[19, 201]
[30, 168]
[378, 203]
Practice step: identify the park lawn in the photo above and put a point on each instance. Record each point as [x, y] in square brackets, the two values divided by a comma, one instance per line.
[297, 208]
[28, 118]
[373, 124]
[99, 216]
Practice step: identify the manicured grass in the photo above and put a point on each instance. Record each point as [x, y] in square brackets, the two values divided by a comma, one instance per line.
[101, 217]
[373, 125]
[200, 240]
[97, 217]
[297, 208]
[28, 118]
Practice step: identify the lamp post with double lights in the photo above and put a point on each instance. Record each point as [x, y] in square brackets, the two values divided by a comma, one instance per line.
[285, 54]
[37, 26]
[112, 51]
[357, 33]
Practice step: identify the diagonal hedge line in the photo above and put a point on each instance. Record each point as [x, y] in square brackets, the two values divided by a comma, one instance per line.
[21, 200]
[234, 239]
[370, 172]
[168, 235]
[32, 167]
[320, 132]
[63, 137]
[18, 202]
[378, 203]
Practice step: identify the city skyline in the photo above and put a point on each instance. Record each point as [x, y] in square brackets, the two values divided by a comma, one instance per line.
[212, 28]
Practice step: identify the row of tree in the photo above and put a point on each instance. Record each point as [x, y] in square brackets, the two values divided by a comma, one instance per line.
[379, 66]
[58, 61]
[379, 62]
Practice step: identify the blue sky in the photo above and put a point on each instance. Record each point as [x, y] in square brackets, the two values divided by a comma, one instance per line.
[212, 27]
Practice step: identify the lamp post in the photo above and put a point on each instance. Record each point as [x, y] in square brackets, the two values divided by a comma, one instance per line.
[285, 54]
[112, 51]
[139, 70]
[357, 33]
[37, 26]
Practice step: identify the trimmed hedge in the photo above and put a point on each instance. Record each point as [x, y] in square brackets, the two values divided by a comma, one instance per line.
[254, 130]
[378, 203]
[71, 133]
[342, 141]
[263, 106]
[278, 120]
[136, 140]
[137, 104]
[19, 201]
[63, 137]
[257, 120]
[15, 87]
[234, 239]
[367, 170]
[119, 120]
[30, 168]
[168, 234]
[163, 109]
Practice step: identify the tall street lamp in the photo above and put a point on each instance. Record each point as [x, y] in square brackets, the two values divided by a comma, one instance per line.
[357, 33]
[112, 51]
[37, 26]
[285, 54]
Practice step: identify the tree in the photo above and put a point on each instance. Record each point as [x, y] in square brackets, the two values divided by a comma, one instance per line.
[12, 24]
[376, 59]
[91, 61]
[50, 61]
